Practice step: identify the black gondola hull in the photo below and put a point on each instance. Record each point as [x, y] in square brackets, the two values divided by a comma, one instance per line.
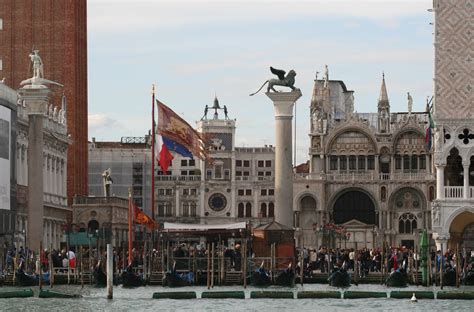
[340, 278]
[397, 279]
[260, 279]
[286, 278]
[174, 279]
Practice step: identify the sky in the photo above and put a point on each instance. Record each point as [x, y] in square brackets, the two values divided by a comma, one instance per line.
[196, 50]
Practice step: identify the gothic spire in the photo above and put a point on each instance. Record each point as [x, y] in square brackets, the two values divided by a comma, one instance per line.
[383, 98]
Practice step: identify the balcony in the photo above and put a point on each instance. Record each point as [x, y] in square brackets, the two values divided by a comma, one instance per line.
[366, 176]
[457, 192]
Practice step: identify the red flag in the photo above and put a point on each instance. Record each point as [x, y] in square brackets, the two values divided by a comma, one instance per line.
[171, 126]
[143, 218]
[163, 154]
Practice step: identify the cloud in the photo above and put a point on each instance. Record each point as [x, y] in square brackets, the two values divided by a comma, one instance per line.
[100, 121]
[120, 16]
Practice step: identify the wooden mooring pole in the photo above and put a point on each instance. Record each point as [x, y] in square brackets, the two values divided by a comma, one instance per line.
[110, 271]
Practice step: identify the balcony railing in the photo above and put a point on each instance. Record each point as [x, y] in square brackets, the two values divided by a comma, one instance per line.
[457, 192]
[178, 178]
[367, 176]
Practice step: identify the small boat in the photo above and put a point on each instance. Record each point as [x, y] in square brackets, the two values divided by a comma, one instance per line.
[131, 279]
[397, 278]
[174, 279]
[449, 277]
[24, 279]
[468, 279]
[286, 277]
[339, 278]
[100, 278]
[260, 277]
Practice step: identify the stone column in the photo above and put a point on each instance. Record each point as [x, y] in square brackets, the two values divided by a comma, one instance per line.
[439, 182]
[36, 101]
[466, 181]
[284, 103]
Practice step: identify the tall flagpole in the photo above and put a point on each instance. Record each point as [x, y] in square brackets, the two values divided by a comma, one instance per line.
[153, 156]
[153, 160]
[130, 228]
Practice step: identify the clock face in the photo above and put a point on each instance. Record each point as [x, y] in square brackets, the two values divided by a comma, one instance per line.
[217, 202]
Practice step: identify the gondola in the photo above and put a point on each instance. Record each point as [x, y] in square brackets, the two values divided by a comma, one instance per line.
[468, 279]
[100, 278]
[286, 277]
[449, 277]
[175, 279]
[397, 278]
[24, 279]
[339, 278]
[131, 279]
[260, 277]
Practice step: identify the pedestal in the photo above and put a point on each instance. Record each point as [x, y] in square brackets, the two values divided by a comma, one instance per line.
[36, 102]
[283, 103]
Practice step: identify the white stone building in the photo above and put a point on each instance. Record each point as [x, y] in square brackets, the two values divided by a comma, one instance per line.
[56, 141]
[453, 209]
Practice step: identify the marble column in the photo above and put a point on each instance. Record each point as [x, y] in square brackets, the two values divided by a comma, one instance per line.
[36, 101]
[283, 103]
[466, 181]
[439, 182]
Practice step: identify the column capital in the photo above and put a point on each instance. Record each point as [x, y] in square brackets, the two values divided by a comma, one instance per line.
[284, 102]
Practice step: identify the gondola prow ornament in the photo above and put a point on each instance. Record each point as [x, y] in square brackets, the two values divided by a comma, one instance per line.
[285, 81]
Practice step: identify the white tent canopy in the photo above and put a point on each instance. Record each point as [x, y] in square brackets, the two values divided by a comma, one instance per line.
[168, 226]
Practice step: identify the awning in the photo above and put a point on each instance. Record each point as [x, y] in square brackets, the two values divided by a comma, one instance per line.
[168, 226]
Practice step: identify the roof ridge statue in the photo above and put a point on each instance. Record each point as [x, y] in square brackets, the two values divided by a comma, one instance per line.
[285, 81]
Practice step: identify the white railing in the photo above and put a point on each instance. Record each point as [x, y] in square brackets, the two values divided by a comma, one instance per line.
[308, 176]
[55, 199]
[453, 192]
[411, 176]
[350, 176]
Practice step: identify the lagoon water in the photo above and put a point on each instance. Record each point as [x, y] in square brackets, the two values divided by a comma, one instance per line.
[140, 299]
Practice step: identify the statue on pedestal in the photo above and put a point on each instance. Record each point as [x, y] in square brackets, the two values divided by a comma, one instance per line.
[37, 81]
[107, 179]
[285, 81]
[410, 103]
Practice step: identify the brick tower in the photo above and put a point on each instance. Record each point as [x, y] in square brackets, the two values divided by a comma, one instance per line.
[58, 29]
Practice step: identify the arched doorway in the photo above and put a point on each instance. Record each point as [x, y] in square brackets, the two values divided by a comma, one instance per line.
[461, 231]
[355, 210]
[354, 205]
[307, 220]
[93, 226]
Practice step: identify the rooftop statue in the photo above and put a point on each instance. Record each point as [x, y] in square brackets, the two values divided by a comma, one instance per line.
[285, 81]
[37, 81]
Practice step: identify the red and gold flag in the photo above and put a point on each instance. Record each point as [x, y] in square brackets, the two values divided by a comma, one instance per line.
[143, 218]
[173, 127]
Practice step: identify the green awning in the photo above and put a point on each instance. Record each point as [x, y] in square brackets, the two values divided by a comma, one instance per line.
[81, 238]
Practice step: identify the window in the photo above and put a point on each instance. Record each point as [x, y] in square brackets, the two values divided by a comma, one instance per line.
[185, 191]
[238, 163]
[263, 210]
[268, 173]
[227, 174]
[398, 162]
[218, 171]
[248, 192]
[246, 163]
[184, 172]
[191, 172]
[422, 161]
[333, 163]
[1, 26]
[161, 191]
[342, 163]
[407, 223]
[361, 163]
[191, 162]
[184, 162]
[208, 174]
[414, 162]
[169, 192]
[263, 192]
[268, 163]
[371, 162]
[352, 162]
[185, 209]
[193, 191]
[271, 210]
[192, 209]
[260, 173]
[260, 163]
[240, 212]
[238, 173]
[248, 210]
[246, 173]
[406, 163]
[240, 192]
[271, 192]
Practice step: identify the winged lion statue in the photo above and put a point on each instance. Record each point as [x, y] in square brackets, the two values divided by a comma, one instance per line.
[285, 81]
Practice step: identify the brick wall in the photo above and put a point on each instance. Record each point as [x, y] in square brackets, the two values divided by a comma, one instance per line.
[58, 28]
